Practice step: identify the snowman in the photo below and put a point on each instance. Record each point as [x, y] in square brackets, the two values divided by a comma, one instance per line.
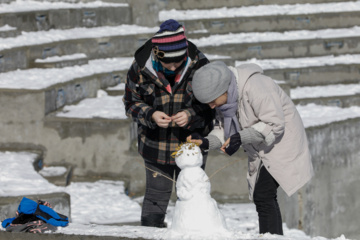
[195, 211]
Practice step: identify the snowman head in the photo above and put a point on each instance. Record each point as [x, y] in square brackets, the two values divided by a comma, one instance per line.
[188, 155]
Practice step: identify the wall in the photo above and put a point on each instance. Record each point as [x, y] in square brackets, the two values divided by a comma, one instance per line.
[328, 205]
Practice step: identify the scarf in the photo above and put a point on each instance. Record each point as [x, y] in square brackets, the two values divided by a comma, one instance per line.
[229, 109]
[166, 75]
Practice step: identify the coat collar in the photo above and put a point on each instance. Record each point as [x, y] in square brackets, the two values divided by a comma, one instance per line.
[243, 73]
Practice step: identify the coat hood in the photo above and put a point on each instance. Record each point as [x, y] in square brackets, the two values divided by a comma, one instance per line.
[244, 72]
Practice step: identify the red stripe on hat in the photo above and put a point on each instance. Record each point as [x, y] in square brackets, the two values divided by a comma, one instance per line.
[168, 39]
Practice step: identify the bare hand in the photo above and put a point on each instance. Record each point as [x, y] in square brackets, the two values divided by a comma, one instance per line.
[161, 119]
[197, 141]
[181, 119]
[225, 145]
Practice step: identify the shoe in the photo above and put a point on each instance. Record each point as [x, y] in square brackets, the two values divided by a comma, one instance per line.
[153, 220]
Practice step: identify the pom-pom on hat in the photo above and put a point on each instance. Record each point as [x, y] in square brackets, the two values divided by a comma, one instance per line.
[211, 81]
[169, 43]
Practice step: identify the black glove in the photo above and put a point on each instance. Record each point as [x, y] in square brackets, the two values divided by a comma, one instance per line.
[205, 141]
[234, 145]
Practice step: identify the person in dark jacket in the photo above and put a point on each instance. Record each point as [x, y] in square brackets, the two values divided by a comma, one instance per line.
[159, 98]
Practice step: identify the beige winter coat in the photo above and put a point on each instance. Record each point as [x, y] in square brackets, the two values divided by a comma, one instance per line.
[264, 106]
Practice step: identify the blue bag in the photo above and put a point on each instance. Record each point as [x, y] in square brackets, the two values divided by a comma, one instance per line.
[42, 212]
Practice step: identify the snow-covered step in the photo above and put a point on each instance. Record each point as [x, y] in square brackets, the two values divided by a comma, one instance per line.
[59, 174]
[116, 90]
[267, 17]
[311, 71]
[208, 4]
[340, 95]
[97, 42]
[44, 15]
[8, 31]
[61, 61]
[298, 43]
[19, 179]
[37, 92]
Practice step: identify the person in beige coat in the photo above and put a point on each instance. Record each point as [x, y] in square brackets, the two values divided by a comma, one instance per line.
[255, 113]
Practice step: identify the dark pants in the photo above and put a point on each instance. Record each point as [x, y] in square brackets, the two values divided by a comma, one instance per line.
[158, 192]
[267, 207]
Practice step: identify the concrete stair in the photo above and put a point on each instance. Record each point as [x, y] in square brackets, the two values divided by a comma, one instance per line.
[205, 4]
[61, 61]
[7, 31]
[293, 44]
[76, 15]
[312, 71]
[265, 18]
[87, 41]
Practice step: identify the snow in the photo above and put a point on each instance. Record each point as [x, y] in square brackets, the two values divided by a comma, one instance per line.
[325, 91]
[316, 115]
[36, 78]
[55, 35]
[52, 171]
[19, 6]
[111, 107]
[261, 10]
[258, 37]
[120, 86]
[94, 204]
[107, 107]
[18, 177]
[61, 58]
[283, 63]
[6, 28]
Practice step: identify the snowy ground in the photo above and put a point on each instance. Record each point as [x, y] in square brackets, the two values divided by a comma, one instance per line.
[261, 10]
[104, 202]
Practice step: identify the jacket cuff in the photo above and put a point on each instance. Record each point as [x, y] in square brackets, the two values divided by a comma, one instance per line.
[149, 120]
[214, 142]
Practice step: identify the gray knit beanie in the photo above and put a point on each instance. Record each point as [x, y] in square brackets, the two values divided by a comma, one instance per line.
[211, 81]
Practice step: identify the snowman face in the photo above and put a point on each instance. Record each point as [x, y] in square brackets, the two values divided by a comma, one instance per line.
[189, 155]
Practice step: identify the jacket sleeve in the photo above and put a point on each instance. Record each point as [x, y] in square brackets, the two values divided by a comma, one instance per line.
[263, 96]
[135, 106]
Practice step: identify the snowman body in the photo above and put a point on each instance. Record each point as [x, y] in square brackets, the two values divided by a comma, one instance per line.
[195, 210]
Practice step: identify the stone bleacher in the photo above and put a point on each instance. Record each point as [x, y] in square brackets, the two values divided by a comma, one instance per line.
[107, 147]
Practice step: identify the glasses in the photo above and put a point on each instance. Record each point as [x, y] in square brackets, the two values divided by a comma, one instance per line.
[158, 53]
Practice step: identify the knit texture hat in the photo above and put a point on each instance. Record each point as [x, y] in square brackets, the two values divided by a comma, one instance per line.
[211, 81]
[169, 43]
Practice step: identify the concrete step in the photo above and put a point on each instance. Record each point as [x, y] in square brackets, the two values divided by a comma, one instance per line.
[206, 4]
[59, 174]
[339, 95]
[102, 42]
[42, 16]
[264, 18]
[290, 44]
[7, 31]
[45, 90]
[116, 90]
[6, 1]
[312, 71]
[61, 61]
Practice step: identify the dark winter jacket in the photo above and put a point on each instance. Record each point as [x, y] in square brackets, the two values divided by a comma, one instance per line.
[145, 93]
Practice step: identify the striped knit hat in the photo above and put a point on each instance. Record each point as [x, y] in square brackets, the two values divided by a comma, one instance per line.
[169, 43]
